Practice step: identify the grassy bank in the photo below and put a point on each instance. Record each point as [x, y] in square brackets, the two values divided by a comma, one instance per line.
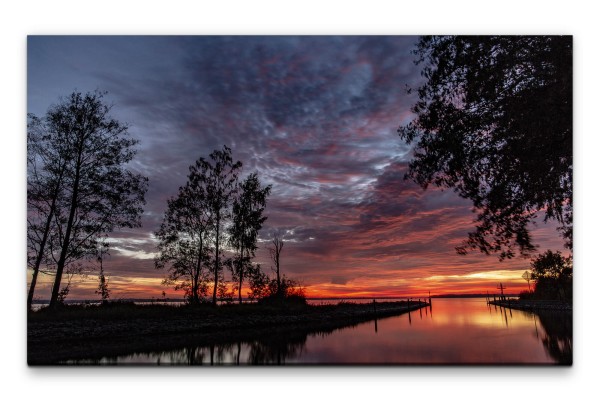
[78, 332]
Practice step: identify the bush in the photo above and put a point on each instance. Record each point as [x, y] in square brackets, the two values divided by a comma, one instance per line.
[290, 293]
[526, 295]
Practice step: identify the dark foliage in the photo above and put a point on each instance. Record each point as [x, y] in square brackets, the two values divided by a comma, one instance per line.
[494, 123]
[213, 207]
[79, 184]
[247, 220]
[526, 295]
[283, 292]
[558, 336]
[103, 289]
[185, 236]
[220, 182]
[553, 274]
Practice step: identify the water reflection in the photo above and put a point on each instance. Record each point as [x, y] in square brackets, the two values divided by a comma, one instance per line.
[558, 339]
[556, 334]
[463, 331]
[273, 351]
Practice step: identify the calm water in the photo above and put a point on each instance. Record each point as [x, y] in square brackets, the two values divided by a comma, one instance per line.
[452, 331]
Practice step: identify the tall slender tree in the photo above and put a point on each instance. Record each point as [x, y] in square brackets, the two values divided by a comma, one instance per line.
[248, 218]
[275, 252]
[220, 183]
[185, 234]
[97, 192]
[102, 289]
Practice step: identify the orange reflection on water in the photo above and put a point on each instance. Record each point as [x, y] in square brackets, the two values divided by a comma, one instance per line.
[453, 331]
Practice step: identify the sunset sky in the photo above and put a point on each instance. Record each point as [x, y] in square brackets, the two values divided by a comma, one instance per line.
[317, 118]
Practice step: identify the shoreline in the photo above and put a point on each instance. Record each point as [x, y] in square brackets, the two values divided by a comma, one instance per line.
[533, 305]
[97, 333]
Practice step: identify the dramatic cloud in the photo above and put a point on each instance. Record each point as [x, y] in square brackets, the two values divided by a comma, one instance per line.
[316, 117]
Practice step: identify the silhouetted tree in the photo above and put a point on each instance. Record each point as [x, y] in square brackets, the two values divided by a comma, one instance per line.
[494, 123]
[558, 335]
[46, 166]
[259, 282]
[265, 289]
[185, 234]
[247, 220]
[286, 289]
[275, 252]
[71, 270]
[103, 289]
[553, 274]
[97, 193]
[220, 183]
[275, 350]
[224, 292]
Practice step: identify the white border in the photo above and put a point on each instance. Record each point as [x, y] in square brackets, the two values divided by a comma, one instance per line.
[305, 17]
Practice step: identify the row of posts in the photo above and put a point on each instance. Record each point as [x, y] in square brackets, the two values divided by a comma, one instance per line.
[501, 298]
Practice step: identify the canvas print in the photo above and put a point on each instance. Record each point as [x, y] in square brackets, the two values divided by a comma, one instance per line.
[299, 200]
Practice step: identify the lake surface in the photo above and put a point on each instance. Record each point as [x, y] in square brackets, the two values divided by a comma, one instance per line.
[451, 331]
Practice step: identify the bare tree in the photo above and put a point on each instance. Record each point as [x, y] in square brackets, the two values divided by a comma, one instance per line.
[275, 252]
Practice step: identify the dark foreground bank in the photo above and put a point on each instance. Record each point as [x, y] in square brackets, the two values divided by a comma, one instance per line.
[76, 333]
[534, 305]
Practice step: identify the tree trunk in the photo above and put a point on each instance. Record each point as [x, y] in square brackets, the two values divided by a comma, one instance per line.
[240, 287]
[278, 279]
[32, 286]
[196, 279]
[40, 255]
[38, 259]
[63, 257]
[194, 299]
[216, 260]
[65, 246]
[241, 274]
